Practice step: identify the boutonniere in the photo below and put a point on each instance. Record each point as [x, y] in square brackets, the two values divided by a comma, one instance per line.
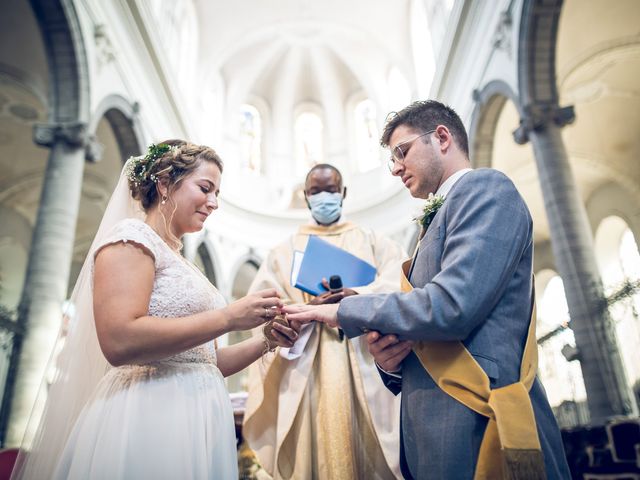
[434, 202]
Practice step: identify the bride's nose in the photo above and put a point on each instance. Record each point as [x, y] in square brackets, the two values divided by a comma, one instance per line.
[212, 202]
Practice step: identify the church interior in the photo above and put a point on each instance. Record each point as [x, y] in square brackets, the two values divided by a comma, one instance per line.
[545, 89]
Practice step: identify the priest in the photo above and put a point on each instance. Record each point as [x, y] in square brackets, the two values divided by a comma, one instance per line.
[319, 409]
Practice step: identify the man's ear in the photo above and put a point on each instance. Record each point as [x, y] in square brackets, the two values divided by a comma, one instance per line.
[306, 199]
[444, 138]
[344, 193]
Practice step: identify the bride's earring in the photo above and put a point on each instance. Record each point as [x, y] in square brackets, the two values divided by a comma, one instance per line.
[164, 200]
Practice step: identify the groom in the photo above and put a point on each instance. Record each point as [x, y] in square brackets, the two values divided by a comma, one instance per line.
[471, 297]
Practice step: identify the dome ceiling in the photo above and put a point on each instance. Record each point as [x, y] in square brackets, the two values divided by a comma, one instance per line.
[293, 56]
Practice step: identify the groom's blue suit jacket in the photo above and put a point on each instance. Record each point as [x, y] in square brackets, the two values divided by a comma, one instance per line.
[472, 282]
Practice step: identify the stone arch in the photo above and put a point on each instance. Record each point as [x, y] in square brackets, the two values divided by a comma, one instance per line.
[117, 135]
[537, 52]
[238, 381]
[66, 55]
[607, 240]
[489, 103]
[537, 88]
[613, 200]
[122, 115]
[207, 254]
[249, 258]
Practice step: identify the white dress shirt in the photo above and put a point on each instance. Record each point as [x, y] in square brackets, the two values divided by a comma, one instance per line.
[448, 184]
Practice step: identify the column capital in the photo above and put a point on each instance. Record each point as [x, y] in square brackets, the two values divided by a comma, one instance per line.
[73, 134]
[537, 117]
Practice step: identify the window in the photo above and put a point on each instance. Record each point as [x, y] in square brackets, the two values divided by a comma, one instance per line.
[250, 138]
[628, 255]
[562, 379]
[619, 265]
[308, 141]
[399, 91]
[625, 312]
[366, 136]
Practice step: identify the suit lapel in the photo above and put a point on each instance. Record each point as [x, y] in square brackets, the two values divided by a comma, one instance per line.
[423, 232]
[435, 220]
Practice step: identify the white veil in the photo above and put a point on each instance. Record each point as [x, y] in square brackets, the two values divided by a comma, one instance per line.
[78, 367]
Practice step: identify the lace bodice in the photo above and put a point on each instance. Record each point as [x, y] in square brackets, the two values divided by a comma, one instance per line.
[179, 288]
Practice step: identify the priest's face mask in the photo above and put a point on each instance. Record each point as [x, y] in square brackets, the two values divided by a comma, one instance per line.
[324, 195]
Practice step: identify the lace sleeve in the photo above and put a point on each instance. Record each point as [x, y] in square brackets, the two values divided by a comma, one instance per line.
[135, 231]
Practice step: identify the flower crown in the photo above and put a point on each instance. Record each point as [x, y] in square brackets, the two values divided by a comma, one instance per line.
[137, 168]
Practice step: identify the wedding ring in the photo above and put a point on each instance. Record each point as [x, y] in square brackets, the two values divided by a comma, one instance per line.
[267, 312]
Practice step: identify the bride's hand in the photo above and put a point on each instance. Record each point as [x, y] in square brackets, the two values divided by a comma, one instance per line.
[253, 310]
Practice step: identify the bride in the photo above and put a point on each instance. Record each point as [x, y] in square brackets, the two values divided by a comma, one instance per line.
[160, 409]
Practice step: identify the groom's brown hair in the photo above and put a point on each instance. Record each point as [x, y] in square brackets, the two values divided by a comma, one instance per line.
[424, 116]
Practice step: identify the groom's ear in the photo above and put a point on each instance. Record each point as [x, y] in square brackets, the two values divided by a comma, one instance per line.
[443, 137]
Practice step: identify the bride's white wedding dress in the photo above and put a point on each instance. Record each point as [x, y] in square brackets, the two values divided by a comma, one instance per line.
[170, 419]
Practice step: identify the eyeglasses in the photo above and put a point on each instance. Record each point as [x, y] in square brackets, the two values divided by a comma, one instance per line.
[397, 154]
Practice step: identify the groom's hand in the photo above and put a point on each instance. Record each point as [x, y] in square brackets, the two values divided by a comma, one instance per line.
[307, 313]
[388, 351]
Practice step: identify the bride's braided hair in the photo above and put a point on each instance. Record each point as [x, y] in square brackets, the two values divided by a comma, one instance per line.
[172, 160]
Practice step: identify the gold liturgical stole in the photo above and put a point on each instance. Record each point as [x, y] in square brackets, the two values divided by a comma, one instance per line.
[510, 448]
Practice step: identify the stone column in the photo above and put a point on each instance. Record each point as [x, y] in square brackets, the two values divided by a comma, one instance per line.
[572, 243]
[45, 287]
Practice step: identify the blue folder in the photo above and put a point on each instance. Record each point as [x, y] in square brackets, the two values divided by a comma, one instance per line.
[321, 260]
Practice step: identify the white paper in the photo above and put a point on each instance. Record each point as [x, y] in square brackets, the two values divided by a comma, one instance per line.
[295, 266]
[298, 347]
